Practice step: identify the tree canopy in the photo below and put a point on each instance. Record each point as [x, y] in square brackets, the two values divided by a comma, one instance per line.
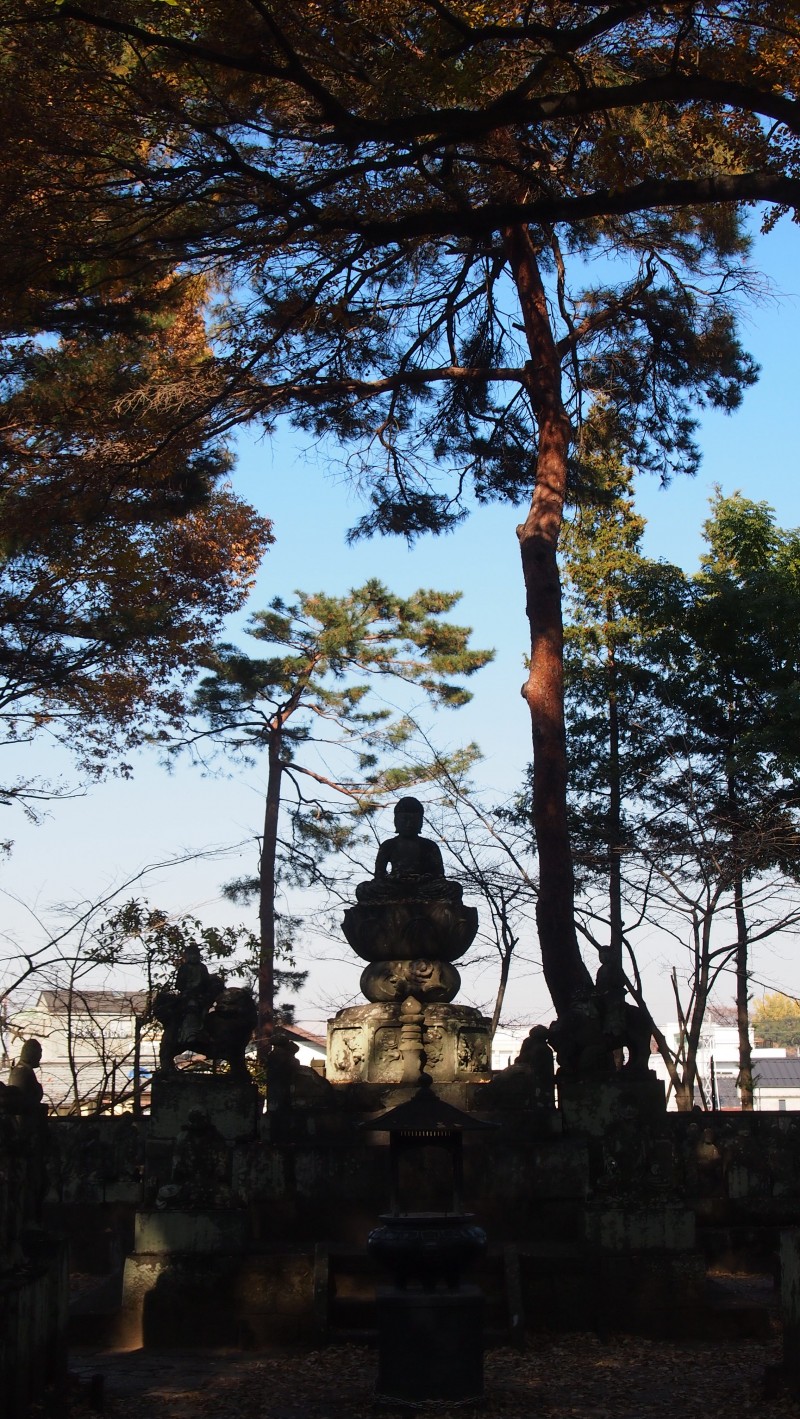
[682, 718]
[123, 545]
[396, 206]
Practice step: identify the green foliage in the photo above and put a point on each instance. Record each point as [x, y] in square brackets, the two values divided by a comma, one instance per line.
[706, 671]
[122, 545]
[682, 711]
[329, 639]
[140, 935]
[353, 197]
[310, 693]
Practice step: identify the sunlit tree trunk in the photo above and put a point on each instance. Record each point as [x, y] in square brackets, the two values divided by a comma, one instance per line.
[266, 901]
[567, 977]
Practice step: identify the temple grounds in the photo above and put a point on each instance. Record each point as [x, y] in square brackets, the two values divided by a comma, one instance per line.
[557, 1377]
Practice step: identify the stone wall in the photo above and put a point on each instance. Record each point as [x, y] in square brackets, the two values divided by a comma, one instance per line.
[602, 1224]
[33, 1264]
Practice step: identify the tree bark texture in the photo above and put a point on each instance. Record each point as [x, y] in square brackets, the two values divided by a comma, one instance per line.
[742, 1000]
[616, 924]
[567, 977]
[266, 902]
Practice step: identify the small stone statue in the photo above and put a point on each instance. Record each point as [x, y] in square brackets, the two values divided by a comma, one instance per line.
[183, 1011]
[528, 1083]
[197, 989]
[23, 1077]
[536, 1056]
[24, 1097]
[408, 865]
[610, 991]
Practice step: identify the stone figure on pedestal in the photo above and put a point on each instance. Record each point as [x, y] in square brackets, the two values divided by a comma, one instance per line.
[409, 912]
[603, 1034]
[24, 1096]
[409, 923]
[203, 1015]
[408, 866]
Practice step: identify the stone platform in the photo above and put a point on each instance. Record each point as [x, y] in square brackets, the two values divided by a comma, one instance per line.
[366, 1044]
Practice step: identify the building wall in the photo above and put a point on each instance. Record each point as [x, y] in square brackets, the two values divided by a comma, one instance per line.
[719, 1047]
[102, 1040]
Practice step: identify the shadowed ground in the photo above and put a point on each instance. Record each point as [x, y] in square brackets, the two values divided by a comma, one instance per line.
[559, 1377]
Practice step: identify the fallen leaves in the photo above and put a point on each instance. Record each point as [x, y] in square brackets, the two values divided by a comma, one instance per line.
[558, 1377]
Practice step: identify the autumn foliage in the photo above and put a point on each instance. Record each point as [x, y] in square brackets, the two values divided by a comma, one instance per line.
[475, 243]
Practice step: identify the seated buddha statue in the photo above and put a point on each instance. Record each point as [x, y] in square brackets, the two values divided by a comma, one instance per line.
[408, 866]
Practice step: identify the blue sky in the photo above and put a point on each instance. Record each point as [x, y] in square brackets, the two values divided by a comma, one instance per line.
[86, 846]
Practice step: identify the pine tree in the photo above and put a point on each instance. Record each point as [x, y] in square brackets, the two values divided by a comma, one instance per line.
[329, 656]
[396, 203]
[682, 708]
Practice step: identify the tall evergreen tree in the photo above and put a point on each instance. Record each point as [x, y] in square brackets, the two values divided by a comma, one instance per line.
[682, 710]
[733, 676]
[316, 689]
[391, 199]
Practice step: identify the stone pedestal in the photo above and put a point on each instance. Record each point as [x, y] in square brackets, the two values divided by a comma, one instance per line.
[369, 1044]
[409, 924]
[179, 1281]
[592, 1105]
[232, 1105]
[430, 1344]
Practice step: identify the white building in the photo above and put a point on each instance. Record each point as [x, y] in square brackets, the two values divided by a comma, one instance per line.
[718, 1067]
[776, 1081]
[93, 1044]
[90, 1041]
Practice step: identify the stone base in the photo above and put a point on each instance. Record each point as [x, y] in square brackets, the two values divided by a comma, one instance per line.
[33, 1327]
[430, 1345]
[591, 1105]
[364, 1045]
[233, 1106]
[208, 1300]
[195, 1233]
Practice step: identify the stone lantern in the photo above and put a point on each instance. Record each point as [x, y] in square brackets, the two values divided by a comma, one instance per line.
[428, 1316]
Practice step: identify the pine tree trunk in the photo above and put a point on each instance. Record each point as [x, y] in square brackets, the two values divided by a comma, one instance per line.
[614, 818]
[742, 1001]
[266, 903]
[566, 976]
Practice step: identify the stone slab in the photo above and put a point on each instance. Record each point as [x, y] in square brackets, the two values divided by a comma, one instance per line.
[197, 1233]
[628, 1228]
[233, 1106]
[216, 1300]
[592, 1105]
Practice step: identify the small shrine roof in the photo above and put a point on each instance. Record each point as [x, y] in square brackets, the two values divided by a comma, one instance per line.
[426, 1113]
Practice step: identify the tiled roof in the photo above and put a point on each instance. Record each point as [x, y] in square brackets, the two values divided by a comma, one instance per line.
[93, 1002]
[305, 1036]
[776, 1073]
